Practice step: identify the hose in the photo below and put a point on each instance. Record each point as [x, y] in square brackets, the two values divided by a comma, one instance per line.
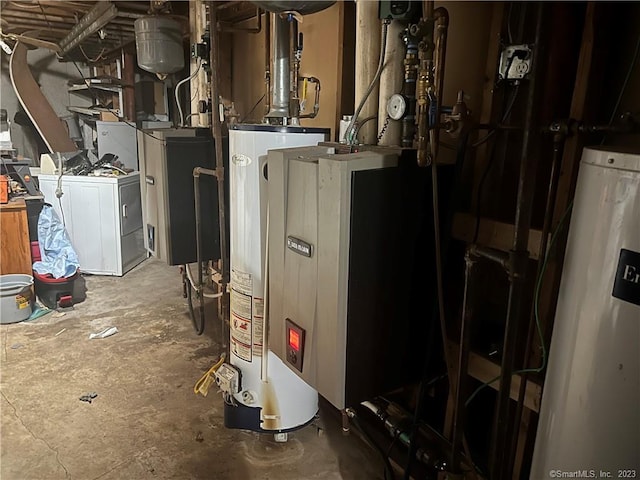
[376, 78]
[175, 91]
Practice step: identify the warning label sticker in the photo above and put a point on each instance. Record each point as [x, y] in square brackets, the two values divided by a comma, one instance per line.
[258, 322]
[241, 329]
[240, 350]
[240, 304]
[241, 281]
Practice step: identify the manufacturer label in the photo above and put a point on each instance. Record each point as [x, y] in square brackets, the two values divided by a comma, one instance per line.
[299, 246]
[627, 283]
[241, 160]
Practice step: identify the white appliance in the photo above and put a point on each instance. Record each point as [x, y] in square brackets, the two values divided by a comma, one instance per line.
[590, 413]
[118, 138]
[103, 216]
[348, 261]
[271, 398]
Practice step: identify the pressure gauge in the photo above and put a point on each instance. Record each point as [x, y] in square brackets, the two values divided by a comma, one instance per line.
[396, 106]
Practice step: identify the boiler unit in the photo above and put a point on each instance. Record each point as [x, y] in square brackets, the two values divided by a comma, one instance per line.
[261, 392]
[167, 160]
[589, 418]
[350, 269]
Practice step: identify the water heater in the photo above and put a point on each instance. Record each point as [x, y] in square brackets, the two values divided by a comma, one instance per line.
[264, 394]
[590, 413]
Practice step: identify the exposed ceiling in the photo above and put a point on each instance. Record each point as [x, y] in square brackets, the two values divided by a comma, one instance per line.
[93, 31]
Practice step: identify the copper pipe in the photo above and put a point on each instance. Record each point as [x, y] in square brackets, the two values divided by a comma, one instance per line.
[441, 27]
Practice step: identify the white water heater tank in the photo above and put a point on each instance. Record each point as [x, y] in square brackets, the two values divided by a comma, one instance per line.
[590, 413]
[281, 402]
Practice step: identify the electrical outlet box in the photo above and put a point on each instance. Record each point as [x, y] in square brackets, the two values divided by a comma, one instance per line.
[396, 10]
[228, 379]
[515, 62]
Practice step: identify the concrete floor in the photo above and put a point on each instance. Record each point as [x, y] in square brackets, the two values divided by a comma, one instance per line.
[146, 422]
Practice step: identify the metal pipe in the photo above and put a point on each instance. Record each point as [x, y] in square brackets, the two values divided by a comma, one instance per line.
[267, 61]
[281, 74]
[554, 175]
[294, 60]
[409, 87]
[94, 20]
[519, 257]
[463, 364]
[441, 28]
[216, 129]
[196, 193]
[497, 256]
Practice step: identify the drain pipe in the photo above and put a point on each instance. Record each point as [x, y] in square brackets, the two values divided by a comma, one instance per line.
[216, 129]
[519, 257]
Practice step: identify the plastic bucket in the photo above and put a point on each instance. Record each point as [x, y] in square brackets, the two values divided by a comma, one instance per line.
[16, 298]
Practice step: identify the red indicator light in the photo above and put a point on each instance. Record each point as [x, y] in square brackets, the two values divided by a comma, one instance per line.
[294, 340]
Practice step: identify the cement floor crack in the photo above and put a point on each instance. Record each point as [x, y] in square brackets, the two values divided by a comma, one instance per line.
[15, 413]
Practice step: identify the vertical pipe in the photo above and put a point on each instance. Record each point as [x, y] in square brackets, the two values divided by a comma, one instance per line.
[463, 363]
[220, 173]
[409, 88]
[542, 252]
[267, 61]
[441, 28]
[199, 287]
[368, 37]
[390, 83]
[519, 257]
[294, 99]
[281, 80]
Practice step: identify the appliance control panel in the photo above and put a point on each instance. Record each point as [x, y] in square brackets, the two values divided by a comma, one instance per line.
[295, 344]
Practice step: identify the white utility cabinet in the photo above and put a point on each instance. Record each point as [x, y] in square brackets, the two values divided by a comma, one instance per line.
[103, 216]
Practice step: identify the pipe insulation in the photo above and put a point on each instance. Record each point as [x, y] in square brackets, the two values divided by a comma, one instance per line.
[368, 36]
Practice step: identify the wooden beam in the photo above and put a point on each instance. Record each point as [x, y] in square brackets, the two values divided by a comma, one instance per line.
[485, 370]
[492, 233]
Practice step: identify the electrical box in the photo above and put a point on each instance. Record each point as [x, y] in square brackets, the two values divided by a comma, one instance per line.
[399, 10]
[350, 269]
